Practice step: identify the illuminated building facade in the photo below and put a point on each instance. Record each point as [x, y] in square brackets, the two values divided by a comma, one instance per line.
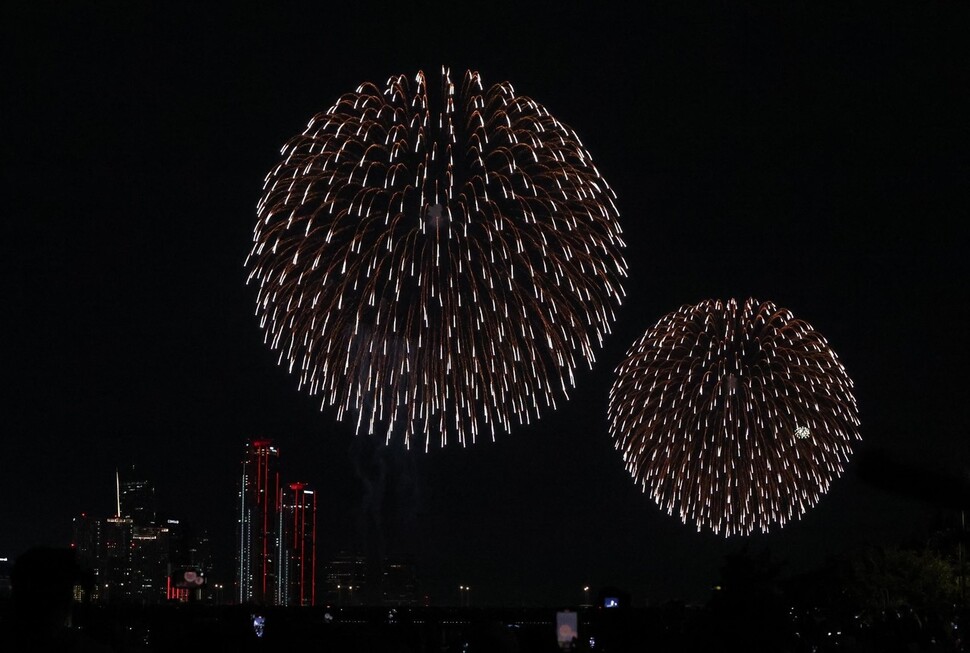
[130, 554]
[345, 579]
[350, 580]
[298, 538]
[258, 546]
[136, 500]
[399, 583]
[135, 557]
[87, 546]
[148, 563]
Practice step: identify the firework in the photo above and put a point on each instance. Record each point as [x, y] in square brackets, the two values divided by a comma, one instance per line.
[436, 263]
[733, 417]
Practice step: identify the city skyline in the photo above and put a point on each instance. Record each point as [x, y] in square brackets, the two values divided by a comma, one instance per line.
[803, 155]
[139, 555]
[135, 556]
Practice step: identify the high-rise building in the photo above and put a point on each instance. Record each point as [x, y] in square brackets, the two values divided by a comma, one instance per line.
[346, 576]
[198, 553]
[88, 546]
[298, 539]
[191, 564]
[130, 555]
[114, 560]
[258, 539]
[87, 541]
[399, 584]
[136, 499]
[148, 564]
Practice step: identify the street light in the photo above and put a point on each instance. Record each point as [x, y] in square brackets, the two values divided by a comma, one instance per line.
[586, 595]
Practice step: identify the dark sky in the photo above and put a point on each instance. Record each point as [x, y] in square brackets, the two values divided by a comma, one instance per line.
[816, 158]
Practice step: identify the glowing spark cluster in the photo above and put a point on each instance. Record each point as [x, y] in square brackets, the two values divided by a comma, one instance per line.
[733, 417]
[436, 264]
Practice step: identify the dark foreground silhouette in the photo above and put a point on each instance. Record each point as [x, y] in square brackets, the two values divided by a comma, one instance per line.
[40, 617]
[881, 600]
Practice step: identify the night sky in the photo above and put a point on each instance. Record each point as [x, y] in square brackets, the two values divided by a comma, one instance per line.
[814, 158]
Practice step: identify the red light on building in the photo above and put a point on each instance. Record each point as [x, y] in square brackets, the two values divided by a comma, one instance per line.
[298, 535]
[184, 585]
[259, 501]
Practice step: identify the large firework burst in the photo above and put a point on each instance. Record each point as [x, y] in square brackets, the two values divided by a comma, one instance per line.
[436, 264]
[733, 417]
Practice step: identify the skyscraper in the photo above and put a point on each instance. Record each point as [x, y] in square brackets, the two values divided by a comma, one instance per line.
[87, 541]
[399, 584]
[136, 499]
[345, 575]
[130, 554]
[148, 564]
[258, 541]
[298, 538]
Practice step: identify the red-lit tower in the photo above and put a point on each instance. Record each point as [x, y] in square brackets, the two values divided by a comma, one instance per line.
[298, 535]
[258, 541]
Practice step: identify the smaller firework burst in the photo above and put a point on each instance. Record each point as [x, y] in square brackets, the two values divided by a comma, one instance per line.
[733, 417]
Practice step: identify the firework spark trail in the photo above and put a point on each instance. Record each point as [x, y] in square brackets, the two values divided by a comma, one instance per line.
[436, 268]
[733, 417]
